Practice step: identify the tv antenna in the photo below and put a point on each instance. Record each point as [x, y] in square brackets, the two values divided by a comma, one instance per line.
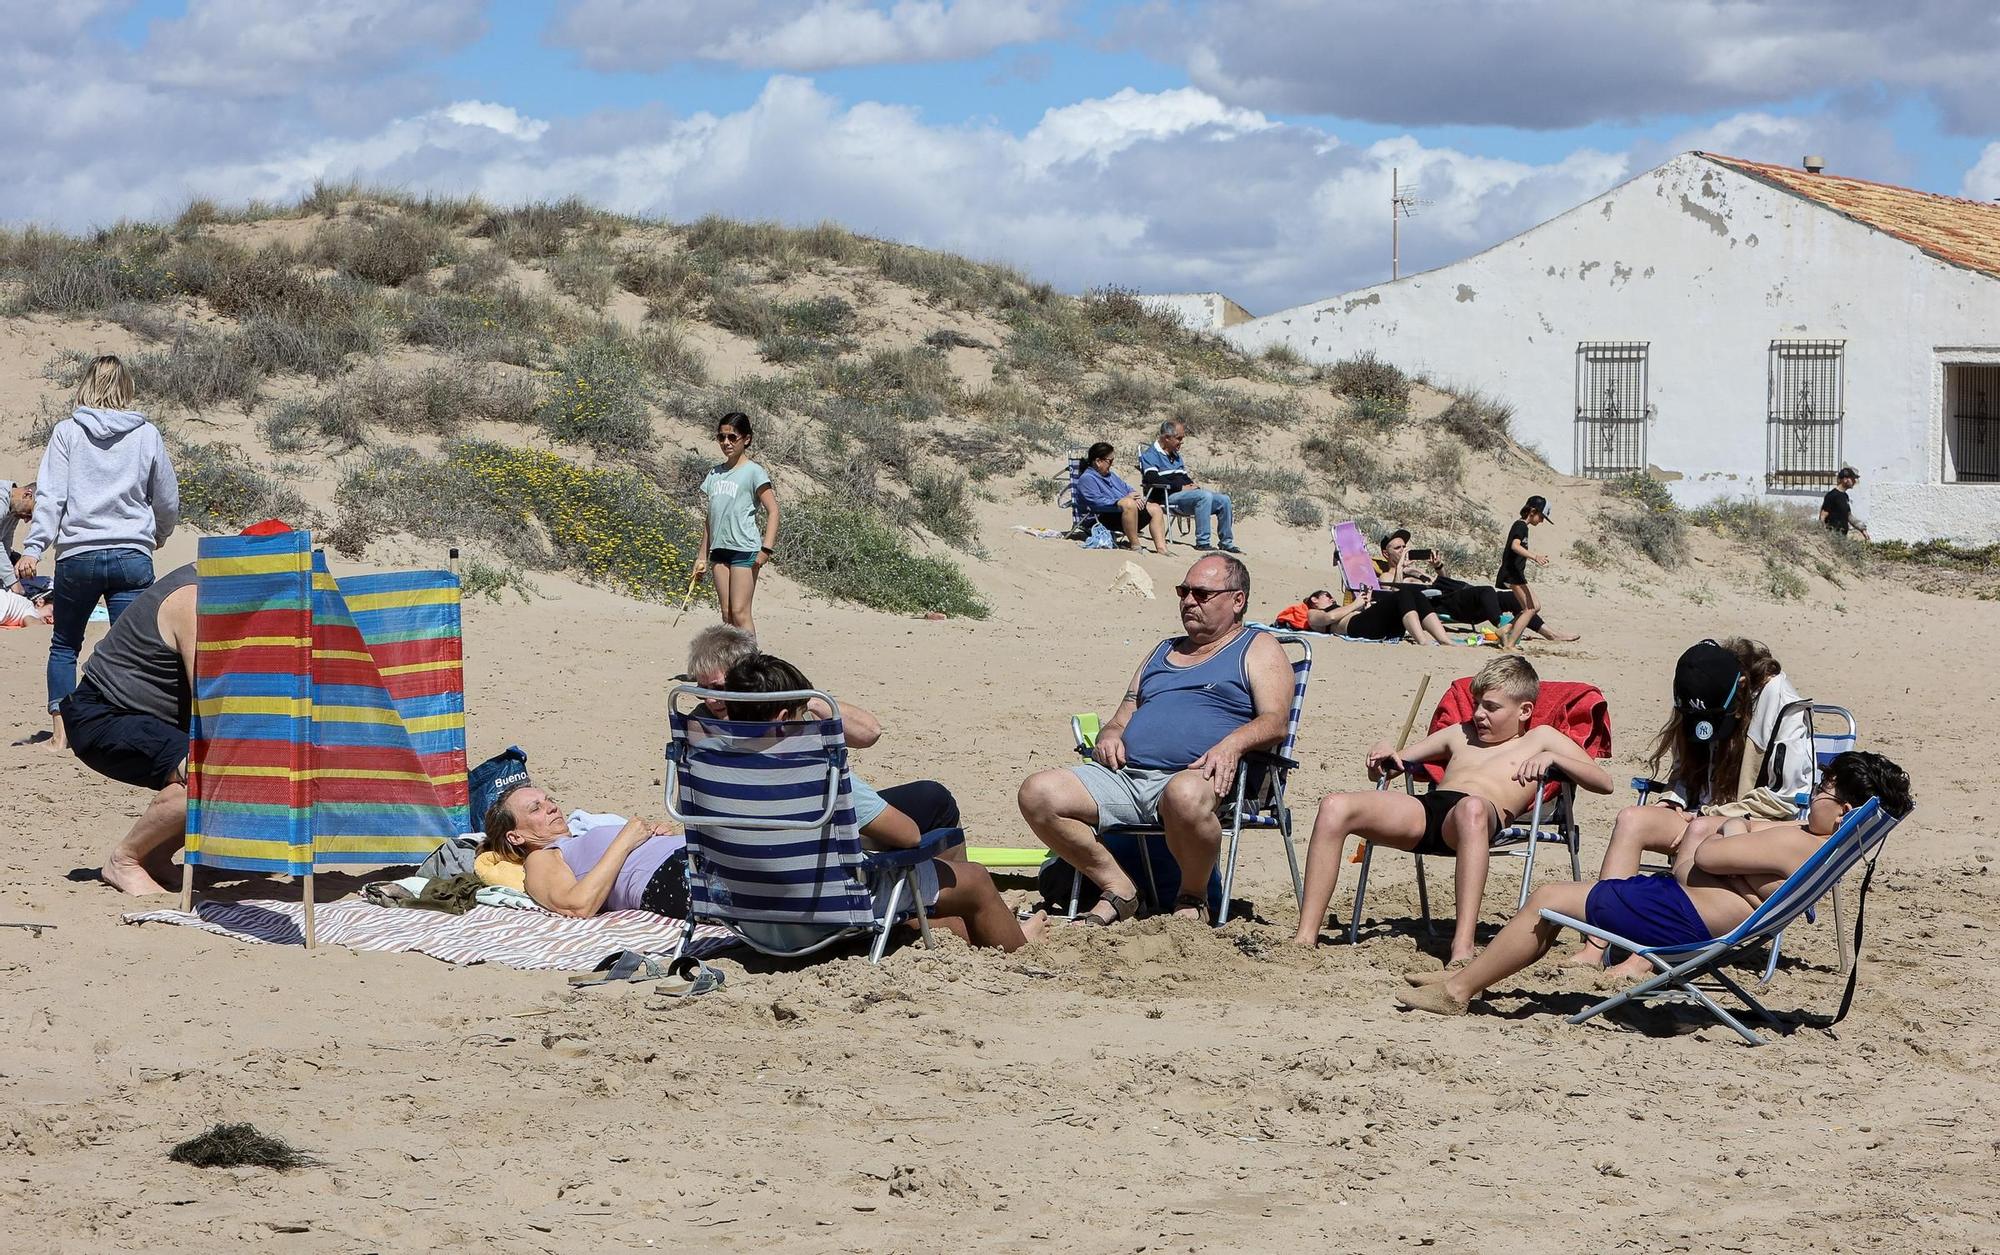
[1403, 203]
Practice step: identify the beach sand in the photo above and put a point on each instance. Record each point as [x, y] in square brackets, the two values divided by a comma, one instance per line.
[1153, 1087]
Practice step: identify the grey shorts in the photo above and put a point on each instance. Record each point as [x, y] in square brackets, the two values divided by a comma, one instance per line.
[880, 884]
[1129, 798]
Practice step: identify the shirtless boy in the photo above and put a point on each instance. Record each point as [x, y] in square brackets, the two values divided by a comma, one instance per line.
[1714, 886]
[1493, 765]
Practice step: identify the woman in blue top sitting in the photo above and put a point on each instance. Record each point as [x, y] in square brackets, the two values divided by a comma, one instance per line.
[1117, 504]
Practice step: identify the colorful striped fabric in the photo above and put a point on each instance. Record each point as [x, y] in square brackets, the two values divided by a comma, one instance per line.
[249, 757]
[326, 733]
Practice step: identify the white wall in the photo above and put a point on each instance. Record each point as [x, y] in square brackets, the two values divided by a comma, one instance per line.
[1709, 266]
[1198, 311]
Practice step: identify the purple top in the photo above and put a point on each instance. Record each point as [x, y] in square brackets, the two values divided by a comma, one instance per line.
[582, 854]
[1101, 492]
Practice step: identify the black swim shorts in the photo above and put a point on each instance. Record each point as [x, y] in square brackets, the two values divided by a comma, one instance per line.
[131, 748]
[1437, 806]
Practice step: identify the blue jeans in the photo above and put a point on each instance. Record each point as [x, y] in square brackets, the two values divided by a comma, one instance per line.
[1202, 503]
[117, 576]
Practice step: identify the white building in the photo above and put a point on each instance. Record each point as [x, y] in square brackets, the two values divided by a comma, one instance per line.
[1198, 311]
[1730, 327]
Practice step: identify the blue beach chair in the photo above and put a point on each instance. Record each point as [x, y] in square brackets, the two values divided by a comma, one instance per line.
[774, 854]
[1257, 802]
[1860, 835]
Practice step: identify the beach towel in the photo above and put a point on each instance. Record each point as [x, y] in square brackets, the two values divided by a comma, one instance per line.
[533, 940]
[1573, 708]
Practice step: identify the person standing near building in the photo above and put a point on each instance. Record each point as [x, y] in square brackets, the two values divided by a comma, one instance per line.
[730, 544]
[106, 498]
[1836, 512]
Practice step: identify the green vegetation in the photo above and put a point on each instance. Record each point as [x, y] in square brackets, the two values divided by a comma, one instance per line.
[1477, 420]
[221, 492]
[1369, 376]
[596, 397]
[844, 551]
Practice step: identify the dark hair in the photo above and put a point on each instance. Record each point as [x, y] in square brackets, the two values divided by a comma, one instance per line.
[1701, 767]
[1848, 472]
[763, 673]
[1318, 592]
[739, 422]
[1102, 449]
[499, 821]
[1859, 775]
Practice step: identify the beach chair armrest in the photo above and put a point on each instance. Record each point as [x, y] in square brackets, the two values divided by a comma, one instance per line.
[1268, 758]
[1592, 930]
[923, 851]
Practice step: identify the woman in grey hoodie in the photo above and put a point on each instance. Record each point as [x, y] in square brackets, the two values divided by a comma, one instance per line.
[107, 498]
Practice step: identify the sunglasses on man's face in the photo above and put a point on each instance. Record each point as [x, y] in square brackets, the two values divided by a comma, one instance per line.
[1201, 595]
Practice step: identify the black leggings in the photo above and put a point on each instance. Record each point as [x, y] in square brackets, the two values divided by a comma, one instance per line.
[1383, 621]
[929, 804]
[1477, 603]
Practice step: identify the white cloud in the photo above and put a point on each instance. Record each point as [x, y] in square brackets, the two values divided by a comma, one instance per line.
[1561, 63]
[796, 34]
[1982, 182]
[1160, 191]
[254, 47]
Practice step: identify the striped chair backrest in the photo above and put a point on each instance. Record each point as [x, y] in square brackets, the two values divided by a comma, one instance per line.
[1865, 828]
[1834, 732]
[771, 835]
[1301, 672]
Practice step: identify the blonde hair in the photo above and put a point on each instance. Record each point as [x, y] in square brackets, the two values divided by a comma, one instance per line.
[104, 384]
[1512, 675]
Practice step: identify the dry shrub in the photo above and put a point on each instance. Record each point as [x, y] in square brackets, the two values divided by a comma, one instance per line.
[387, 252]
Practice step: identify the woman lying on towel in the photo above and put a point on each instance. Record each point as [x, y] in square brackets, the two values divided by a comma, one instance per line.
[1393, 613]
[636, 866]
[1716, 883]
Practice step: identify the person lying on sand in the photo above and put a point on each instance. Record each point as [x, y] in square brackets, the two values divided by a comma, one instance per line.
[1392, 614]
[1493, 766]
[1168, 755]
[959, 895]
[1715, 884]
[636, 866]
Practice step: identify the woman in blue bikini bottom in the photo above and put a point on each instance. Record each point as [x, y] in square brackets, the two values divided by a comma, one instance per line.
[1730, 873]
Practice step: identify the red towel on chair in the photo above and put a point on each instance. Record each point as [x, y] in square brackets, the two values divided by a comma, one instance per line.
[1576, 709]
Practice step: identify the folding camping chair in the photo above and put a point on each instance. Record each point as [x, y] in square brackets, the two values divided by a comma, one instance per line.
[1081, 516]
[1833, 731]
[1678, 967]
[1256, 803]
[1568, 705]
[1182, 524]
[774, 854]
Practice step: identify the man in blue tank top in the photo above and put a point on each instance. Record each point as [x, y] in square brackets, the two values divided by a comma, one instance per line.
[1168, 757]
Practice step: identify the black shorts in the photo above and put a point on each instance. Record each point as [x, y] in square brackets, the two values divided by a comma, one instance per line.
[131, 748]
[667, 892]
[1438, 804]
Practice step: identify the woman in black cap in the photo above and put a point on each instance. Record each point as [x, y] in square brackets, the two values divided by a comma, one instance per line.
[1513, 574]
[1716, 722]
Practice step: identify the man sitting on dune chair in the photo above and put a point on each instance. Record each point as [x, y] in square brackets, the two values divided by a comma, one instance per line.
[1197, 704]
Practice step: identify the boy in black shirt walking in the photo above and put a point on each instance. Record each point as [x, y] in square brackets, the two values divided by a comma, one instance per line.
[1836, 512]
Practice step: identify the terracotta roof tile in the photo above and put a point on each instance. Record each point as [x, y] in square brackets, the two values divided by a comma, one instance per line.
[1962, 232]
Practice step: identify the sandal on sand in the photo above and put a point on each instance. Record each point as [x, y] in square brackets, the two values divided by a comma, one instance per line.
[1199, 905]
[1122, 909]
[687, 977]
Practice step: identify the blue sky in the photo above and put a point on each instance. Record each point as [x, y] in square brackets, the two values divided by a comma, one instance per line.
[1157, 144]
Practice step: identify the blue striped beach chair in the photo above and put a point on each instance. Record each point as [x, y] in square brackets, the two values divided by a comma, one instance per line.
[1860, 835]
[774, 854]
[1257, 803]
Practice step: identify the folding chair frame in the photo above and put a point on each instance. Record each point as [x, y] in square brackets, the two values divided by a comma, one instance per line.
[901, 864]
[1678, 967]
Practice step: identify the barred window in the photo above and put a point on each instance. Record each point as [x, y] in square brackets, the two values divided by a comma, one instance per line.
[1972, 423]
[1611, 407]
[1807, 411]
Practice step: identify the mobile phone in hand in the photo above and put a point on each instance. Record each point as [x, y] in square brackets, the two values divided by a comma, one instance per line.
[1421, 555]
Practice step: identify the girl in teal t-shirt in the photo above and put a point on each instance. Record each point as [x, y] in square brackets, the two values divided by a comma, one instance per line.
[730, 542]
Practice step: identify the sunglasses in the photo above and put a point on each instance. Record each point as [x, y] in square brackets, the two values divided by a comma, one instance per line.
[1200, 595]
[727, 437]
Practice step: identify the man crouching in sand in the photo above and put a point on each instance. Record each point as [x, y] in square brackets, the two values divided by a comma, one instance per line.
[128, 719]
[1713, 887]
[1493, 766]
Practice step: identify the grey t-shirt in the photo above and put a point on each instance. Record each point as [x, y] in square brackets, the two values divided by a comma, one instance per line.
[732, 507]
[133, 668]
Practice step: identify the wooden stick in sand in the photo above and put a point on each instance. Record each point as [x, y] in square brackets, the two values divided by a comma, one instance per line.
[1402, 739]
[694, 577]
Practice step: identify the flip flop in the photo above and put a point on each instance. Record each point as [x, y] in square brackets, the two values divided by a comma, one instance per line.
[36, 738]
[689, 977]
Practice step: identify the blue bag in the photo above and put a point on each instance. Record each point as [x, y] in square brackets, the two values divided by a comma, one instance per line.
[485, 783]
